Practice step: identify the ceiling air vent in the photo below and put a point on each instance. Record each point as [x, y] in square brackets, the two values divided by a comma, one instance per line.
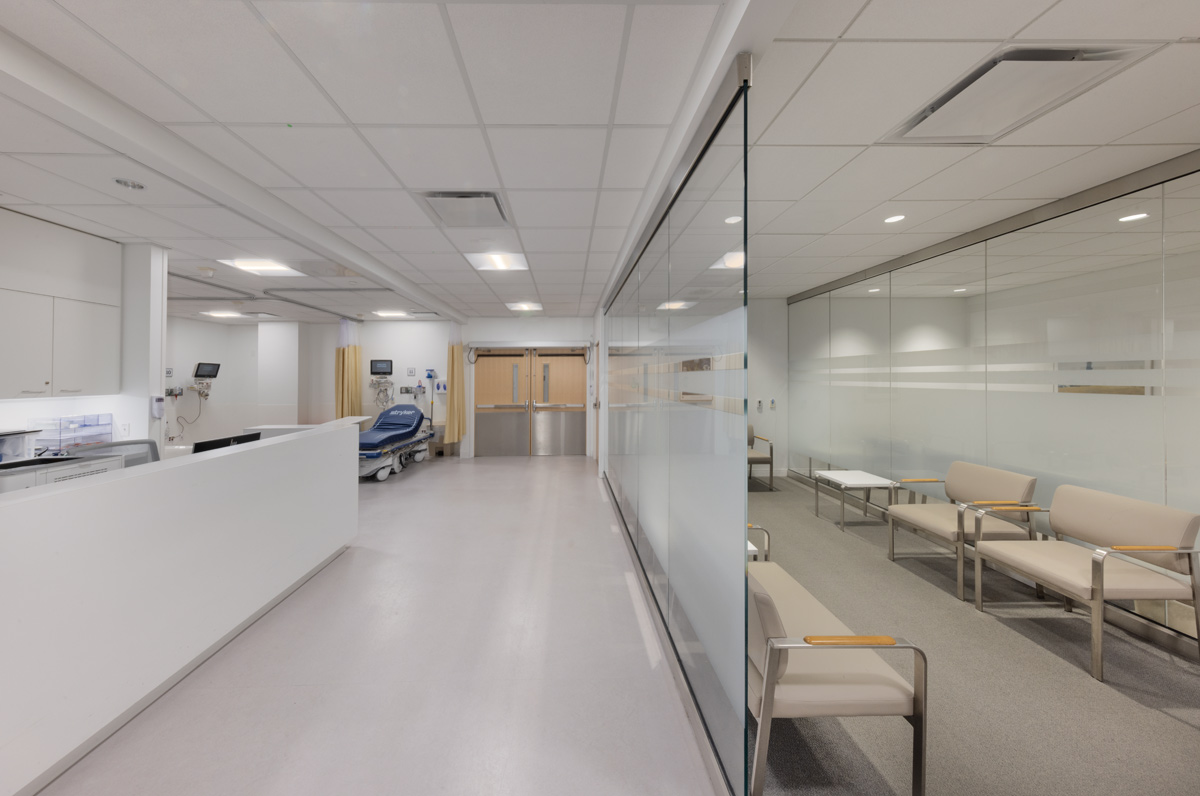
[423, 316]
[466, 208]
[1009, 89]
[261, 316]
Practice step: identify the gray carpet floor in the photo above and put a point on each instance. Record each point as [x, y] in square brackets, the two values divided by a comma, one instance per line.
[1012, 707]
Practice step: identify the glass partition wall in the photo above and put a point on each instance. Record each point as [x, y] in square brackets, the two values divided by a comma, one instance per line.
[677, 429]
[1068, 350]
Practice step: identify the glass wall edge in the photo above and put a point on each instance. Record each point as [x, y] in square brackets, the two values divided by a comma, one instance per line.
[1148, 177]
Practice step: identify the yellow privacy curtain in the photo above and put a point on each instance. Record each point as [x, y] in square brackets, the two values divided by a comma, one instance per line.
[456, 407]
[348, 372]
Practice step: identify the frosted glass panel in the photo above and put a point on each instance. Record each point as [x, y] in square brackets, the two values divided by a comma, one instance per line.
[653, 490]
[1181, 210]
[1074, 350]
[808, 383]
[859, 357]
[937, 371]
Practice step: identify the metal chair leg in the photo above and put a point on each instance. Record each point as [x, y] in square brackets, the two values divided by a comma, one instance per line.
[758, 774]
[1098, 639]
[1068, 604]
[978, 580]
[891, 538]
[961, 549]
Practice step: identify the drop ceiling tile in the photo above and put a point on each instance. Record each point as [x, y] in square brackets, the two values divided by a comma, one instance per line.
[215, 221]
[839, 245]
[944, 19]
[790, 172]
[601, 262]
[377, 208]
[559, 277]
[783, 67]
[219, 143]
[556, 240]
[1122, 104]
[632, 154]
[820, 19]
[502, 239]
[382, 63]
[542, 63]
[276, 249]
[100, 172]
[412, 240]
[899, 245]
[203, 247]
[915, 214]
[313, 206]
[360, 238]
[319, 157]
[436, 158]
[617, 208]
[37, 186]
[432, 262]
[990, 169]
[133, 220]
[557, 261]
[608, 239]
[219, 55]
[1116, 19]
[549, 157]
[27, 131]
[915, 73]
[665, 42]
[553, 208]
[1085, 171]
[976, 214]
[882, 172]
[455, 277]
[779, 245]
[1182, 128]
[65, 219]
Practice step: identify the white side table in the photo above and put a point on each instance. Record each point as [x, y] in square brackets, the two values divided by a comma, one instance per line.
[848, 479]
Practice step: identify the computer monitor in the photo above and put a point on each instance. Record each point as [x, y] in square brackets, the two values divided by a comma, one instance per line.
[242, 439]
[210, 445]
[381, 367]
[206, 370]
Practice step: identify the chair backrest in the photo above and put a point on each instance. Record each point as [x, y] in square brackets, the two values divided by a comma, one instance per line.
[762, 622]
[1105, 519]
[750, 435]
[966, 482]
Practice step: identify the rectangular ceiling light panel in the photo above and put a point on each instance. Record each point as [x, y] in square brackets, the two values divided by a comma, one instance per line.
[1009, 90]
[466, 208]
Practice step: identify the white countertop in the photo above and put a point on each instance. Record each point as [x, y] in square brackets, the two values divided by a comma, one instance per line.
[854, 479]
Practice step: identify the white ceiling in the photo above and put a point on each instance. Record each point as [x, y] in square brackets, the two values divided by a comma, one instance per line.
[345, 109]
[843, 73]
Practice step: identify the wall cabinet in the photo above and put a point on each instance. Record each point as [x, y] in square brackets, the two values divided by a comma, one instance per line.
[87, 348]
[26, 344]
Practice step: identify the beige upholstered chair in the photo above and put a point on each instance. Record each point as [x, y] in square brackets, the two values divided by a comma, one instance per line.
[942, 523]
[1129, 536]
[754, 457]
[804, 662]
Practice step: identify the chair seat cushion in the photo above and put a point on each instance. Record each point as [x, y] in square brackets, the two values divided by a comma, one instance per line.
[755, 457]
[941, 520]
[1067, 568]
[823, 681]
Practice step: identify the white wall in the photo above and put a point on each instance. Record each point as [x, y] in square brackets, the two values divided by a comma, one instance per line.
[104, 603]
[234, 403]
[317, 344]
[278, 373]
[767, 374]
[409, 344]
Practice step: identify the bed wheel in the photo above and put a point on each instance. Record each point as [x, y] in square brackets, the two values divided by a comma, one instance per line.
[419, 456]
[382, 473]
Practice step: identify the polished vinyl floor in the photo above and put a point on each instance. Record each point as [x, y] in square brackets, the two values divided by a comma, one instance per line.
[483, 635]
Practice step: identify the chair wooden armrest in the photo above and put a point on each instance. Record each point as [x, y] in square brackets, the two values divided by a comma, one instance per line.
[861, 641]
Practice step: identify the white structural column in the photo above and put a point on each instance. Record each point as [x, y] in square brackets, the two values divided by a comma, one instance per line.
[143, 336]
[279, 373]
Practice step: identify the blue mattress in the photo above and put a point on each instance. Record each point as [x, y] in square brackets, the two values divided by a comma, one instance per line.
[401, 422]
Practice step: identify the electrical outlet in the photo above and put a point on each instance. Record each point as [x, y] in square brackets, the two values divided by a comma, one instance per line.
[125, 430]
[170, 373]
[760, 406]
[412, 371]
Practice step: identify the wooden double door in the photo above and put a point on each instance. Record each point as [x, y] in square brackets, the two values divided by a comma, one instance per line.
[530, 402]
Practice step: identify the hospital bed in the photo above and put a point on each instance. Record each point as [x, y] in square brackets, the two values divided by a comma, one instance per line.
[395, 440]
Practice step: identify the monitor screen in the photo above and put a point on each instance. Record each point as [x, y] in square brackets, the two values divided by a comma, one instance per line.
[206, 370]
[242, 439]
[210, 445]
[381, 367]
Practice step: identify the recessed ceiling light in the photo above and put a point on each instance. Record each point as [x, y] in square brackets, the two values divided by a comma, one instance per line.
[132, 185]
[524, 306]
[262, 267]
[893, 219]
[498, 261]
[733, 219]
[391, 314]
[1135, 217]
[676, 305]
[731, 260]
[223, 314]
[874, 290]
[960, 290]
